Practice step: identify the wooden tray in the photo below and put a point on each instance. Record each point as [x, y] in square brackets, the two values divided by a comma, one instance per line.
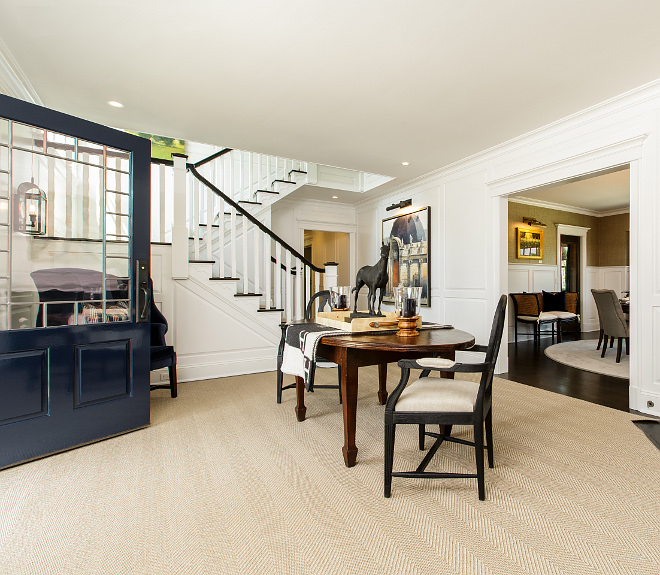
[342, 320]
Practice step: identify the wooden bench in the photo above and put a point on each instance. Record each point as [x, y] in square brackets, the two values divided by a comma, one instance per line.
[528, 309]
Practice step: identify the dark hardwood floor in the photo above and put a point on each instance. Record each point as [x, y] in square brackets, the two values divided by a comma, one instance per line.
[528, 364]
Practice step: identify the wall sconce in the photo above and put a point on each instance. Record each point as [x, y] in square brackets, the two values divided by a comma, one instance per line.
[534, 223]
[401, 204]
[31, 209]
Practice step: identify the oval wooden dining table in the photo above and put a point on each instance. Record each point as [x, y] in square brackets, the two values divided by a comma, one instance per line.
[353, 351]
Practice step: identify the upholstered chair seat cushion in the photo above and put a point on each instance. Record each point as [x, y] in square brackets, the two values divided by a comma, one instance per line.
[543, 316]
[439, 394]
[436, 362]
[324, 363]
[562, 314]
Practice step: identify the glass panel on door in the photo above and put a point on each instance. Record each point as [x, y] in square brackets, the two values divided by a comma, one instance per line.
[65, 246]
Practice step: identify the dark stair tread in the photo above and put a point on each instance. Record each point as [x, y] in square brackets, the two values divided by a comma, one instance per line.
[248, 294]
[227, 279]
[249, 202]
[239, 214]
[297, 172]
[271, 309]
[284, 181]
[201, 261]
[266, 192]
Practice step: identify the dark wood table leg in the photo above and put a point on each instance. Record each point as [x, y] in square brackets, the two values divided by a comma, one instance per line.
[301, 410]
[349, 386]
[382, 383]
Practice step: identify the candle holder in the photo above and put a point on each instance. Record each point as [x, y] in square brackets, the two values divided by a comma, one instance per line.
[340, 298]
[407, 301]
[407, 326]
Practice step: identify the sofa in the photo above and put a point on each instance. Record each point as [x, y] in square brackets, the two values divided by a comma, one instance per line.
[552, 309]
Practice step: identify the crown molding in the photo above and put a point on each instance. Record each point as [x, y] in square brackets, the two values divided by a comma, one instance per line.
[566, 208]
[13, 81]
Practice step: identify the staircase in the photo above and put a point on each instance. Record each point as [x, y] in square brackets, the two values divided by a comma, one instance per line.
[229, 255]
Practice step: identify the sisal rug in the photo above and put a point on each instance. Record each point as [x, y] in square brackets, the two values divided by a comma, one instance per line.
[582, 354]
[225, 481]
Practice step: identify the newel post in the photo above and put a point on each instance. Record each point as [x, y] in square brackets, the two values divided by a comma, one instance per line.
[179, 226]
[330, 275]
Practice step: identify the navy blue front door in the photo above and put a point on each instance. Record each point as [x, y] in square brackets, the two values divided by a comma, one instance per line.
[74, 226]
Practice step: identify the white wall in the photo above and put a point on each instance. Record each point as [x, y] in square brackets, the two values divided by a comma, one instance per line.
[469, 248]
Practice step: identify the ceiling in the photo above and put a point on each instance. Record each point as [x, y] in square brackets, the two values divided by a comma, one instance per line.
[363, 85]
[596, 193]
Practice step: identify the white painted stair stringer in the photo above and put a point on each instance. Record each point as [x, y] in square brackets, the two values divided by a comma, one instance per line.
[219, 335]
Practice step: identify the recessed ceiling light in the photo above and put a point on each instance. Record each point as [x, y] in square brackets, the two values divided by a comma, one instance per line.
[405, 163]
[335, 197]
[115, 104]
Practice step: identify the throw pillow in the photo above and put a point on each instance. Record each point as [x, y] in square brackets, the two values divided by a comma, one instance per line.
[554, 301]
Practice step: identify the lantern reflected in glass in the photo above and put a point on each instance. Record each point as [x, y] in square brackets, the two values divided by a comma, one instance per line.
[31, 209]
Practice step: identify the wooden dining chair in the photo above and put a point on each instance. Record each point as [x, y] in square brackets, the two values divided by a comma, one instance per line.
[323, 298]
[446, 402]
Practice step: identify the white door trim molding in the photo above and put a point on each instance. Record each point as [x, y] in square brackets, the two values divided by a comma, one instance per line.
[582, 234]
[624, 151]
[612, 155]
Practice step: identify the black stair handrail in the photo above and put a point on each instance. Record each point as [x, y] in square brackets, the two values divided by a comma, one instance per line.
[193, 170]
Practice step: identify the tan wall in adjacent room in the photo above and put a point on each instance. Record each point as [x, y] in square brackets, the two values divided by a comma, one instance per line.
[550, 218]
[614, 239]
[331, 247]
[607, 238]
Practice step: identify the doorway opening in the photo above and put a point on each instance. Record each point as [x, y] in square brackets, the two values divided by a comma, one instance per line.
[585, 225]
[569, 268]
[322, 246]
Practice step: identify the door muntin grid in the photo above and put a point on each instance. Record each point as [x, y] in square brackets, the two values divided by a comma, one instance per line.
[78, 270]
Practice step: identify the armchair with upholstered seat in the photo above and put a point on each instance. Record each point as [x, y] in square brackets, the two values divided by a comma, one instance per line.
[162, 355]
[446, 402]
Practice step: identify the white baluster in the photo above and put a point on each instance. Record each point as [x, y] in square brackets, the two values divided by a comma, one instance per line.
[257, 259]
[51, 204]
[299, 290]
[231, 189]
[249, 192]
[233, 241]
[209, 224]
[244, 227]
[259, 173]
[267, 271]
[69, 195]
[278, 275]
[195, 218]
[288, 166]
[161, 174]
[308, 281]
[289, 288]
[85, 197]
[220, 175]
[317, 288]
[239, 189]
[269, 171]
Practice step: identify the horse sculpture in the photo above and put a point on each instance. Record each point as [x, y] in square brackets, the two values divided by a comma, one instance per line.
[374, 277]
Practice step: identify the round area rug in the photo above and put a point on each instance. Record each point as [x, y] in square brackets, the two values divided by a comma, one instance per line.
[583, 355]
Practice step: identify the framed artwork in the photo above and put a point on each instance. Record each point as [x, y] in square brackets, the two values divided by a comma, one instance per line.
[409, 264]
[529, 244]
